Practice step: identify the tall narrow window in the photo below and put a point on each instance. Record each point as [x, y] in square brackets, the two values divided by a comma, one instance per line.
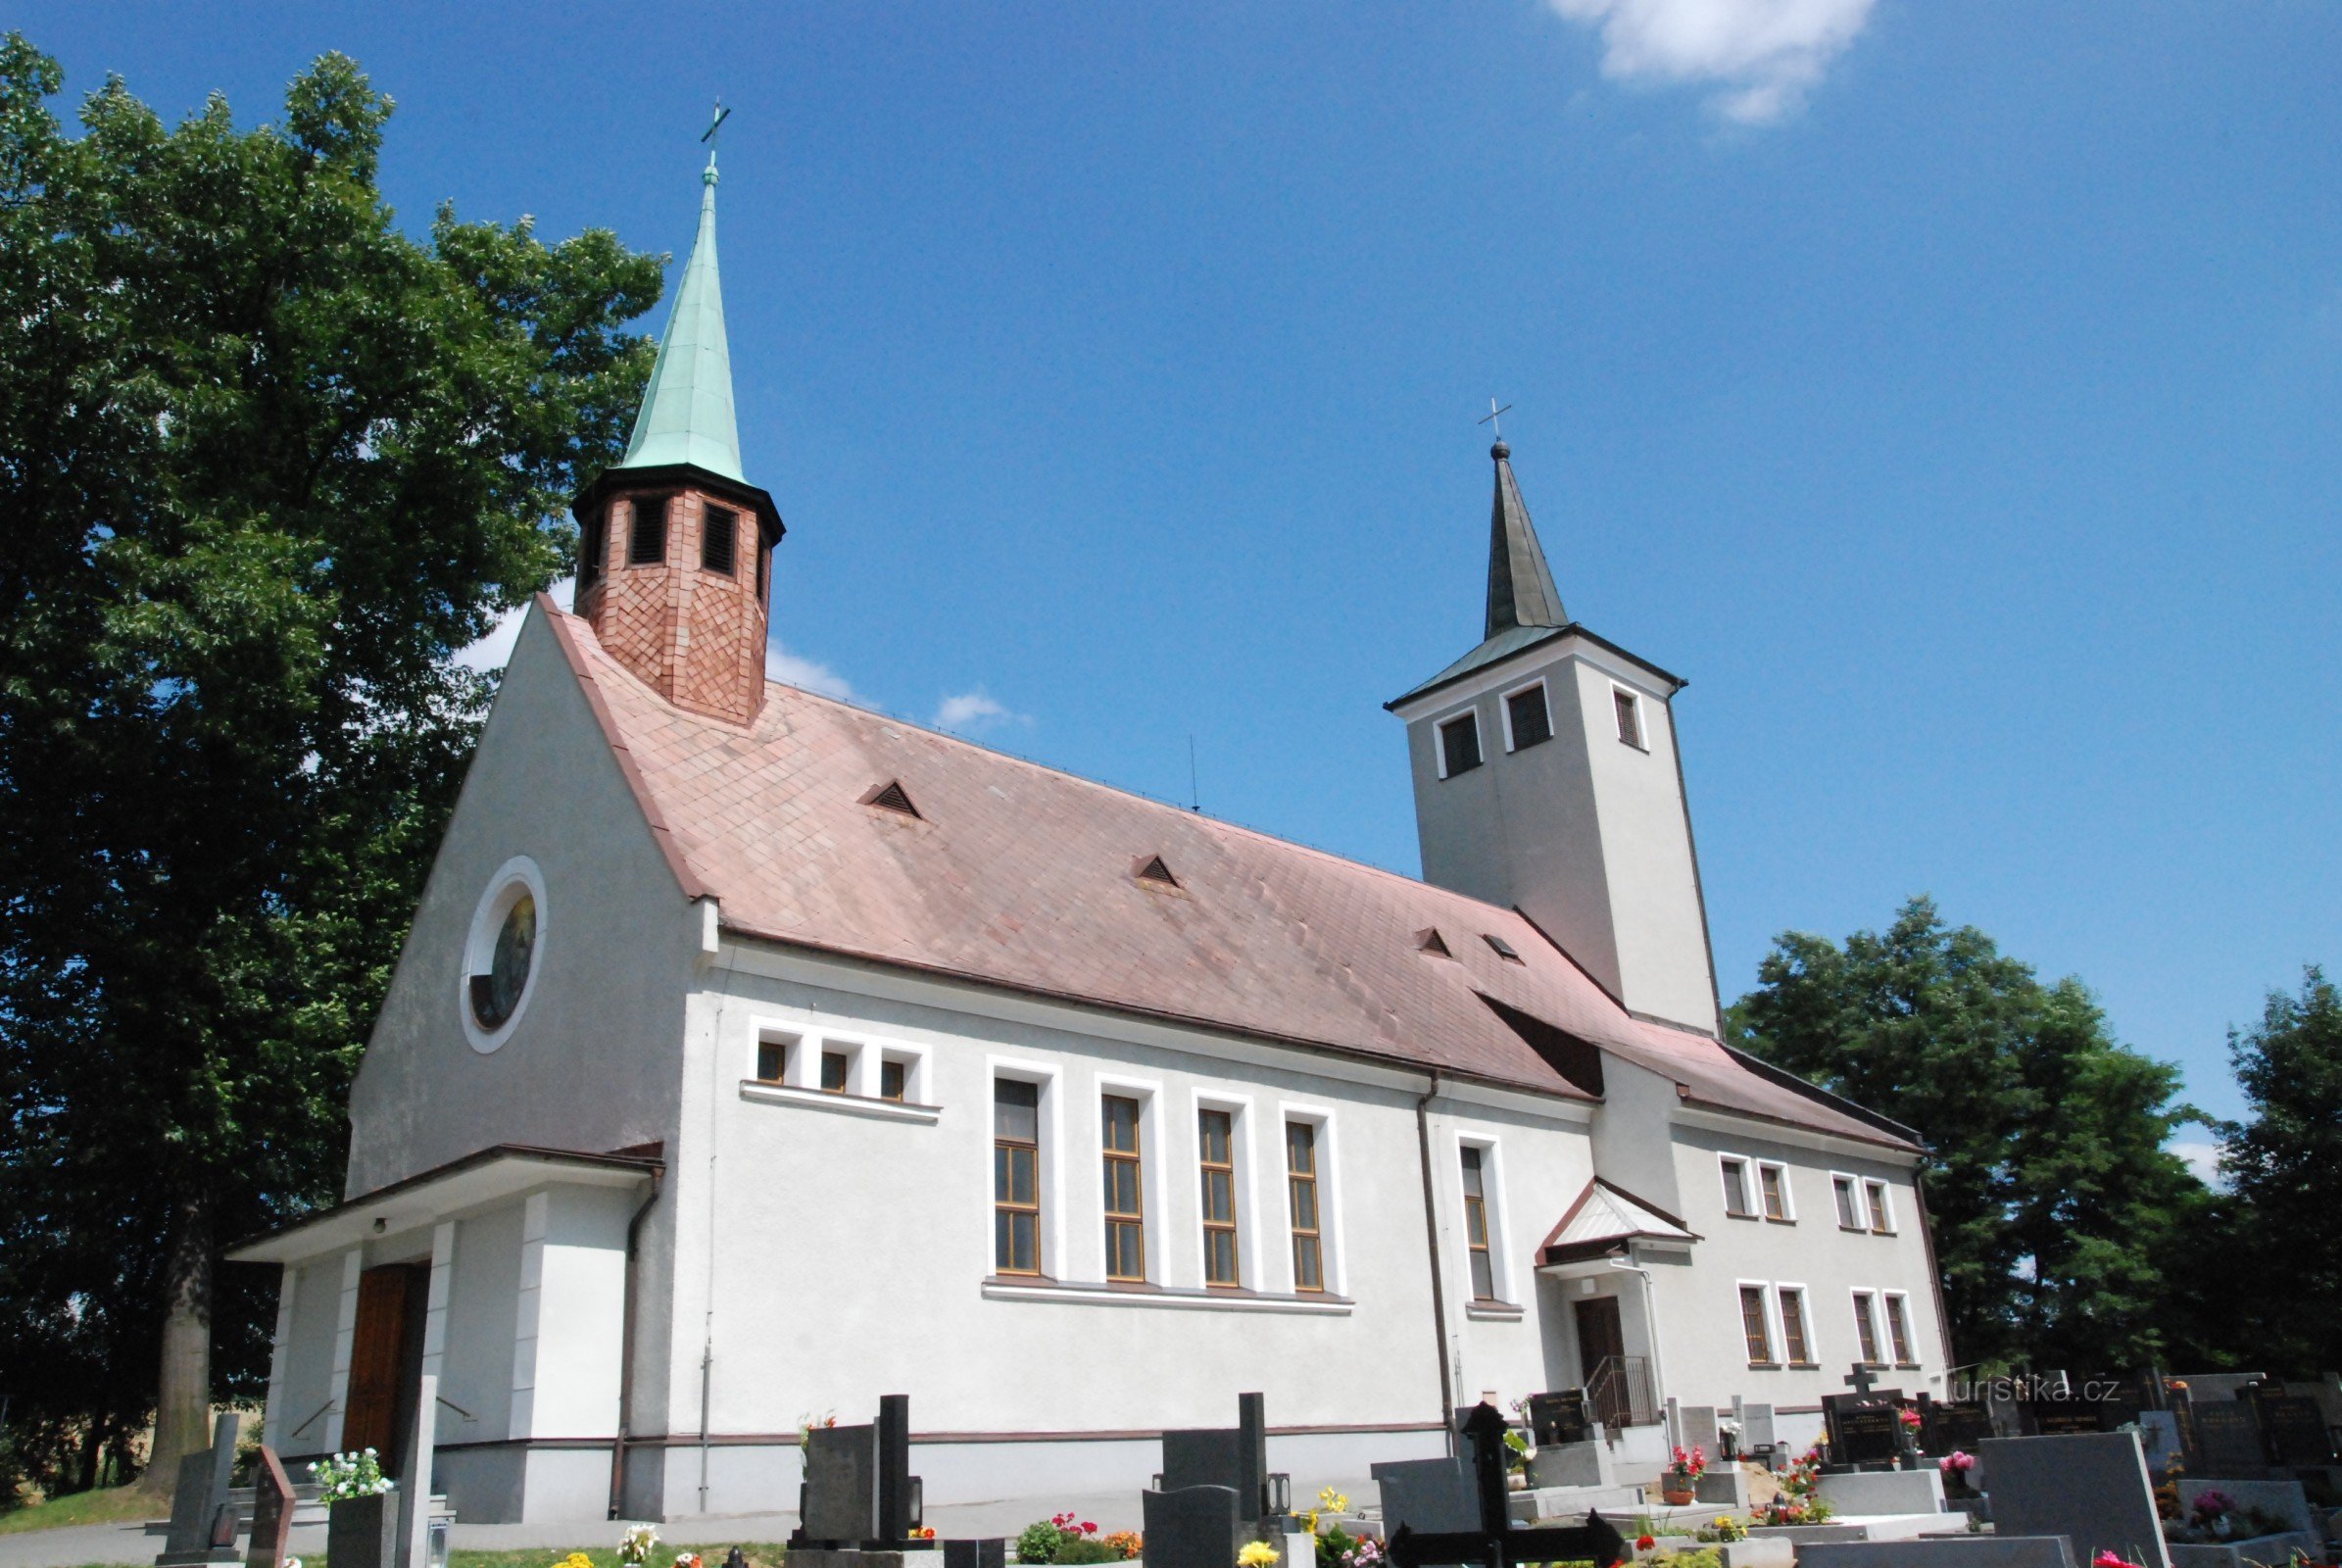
[894, 1078]
[1301, 1179]
[1526, 715]
[1793, 1328]
[1126, 1223]
[1865, 1328]
[1753, 1327]
[1215, 1132]
[1459, 745]
[1735, 1189]
[1476, 1227]
[646, 542]
[1875, 1194]
[1774, 1183]
[1850, 1216]
[1015, 1176]
[1630, 716]
[719, 530]
[1898, 1330]
[834, 1066]
[764, 568]
[592, 540]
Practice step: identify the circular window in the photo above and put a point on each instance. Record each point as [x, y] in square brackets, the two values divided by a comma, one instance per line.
[499, 966]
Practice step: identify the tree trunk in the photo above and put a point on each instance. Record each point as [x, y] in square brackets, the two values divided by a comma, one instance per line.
[184, 1398]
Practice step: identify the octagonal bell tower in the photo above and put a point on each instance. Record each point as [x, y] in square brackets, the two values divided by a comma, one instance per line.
[675, 546]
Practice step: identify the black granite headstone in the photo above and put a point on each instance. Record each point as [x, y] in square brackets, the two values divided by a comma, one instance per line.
[1236, 1458]
[272, 1512]
[1955, 1426]
[1863, 1428]
[363, 1532]
[2293, 1429]
[1193, 1527]
[1559, 1418]
[988, 1552]
[2228, 1442]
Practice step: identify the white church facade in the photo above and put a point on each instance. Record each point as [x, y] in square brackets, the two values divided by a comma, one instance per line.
[753, 1056]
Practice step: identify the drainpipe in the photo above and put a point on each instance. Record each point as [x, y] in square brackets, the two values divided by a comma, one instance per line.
[618, 1448]
[1651, 1318]
[1430, 1236]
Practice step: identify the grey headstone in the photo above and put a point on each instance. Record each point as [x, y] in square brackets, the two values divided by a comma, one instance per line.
[1857, 1492]
[1572, 1464]
[2279, 1499]
[198, 1492]
[1434, 1497]
[1756, 1425]
[2089, 1486]
[1696, 1428]
[1203, 1456]
[1957, 1551]
[363, 1532]
[1724, 1486]
[272, 1512]
[841, 1494]
[413, 1547]
[2159, 1436]
[1195, 1527]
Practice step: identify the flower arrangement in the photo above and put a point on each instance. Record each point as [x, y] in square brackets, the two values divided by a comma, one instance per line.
[635, 1546]
[1725, 1526]
[1328, 1501]
[1123, 1544]
[1910, 1420]
[1799, 1501]
[687, 1559]
[2211, 1507]
[923, 1533]
[1256, 1555]
[575, 1559]
[1645, 1543]
[1958, 1463]
[2109, 1559]
[1690, 1466]
[1063, 1539]
[342, 1477]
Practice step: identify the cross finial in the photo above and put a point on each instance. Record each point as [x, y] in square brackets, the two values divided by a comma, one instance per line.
[715, 125]
[1860, 1379]
[1495, 429]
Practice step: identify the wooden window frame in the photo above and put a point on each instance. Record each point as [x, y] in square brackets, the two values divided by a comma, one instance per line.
[1845, 1193]
[1308, 1241]
[1878, 1209]
[1224, 1169]
[1898, 1326]
[1796, 1330]
[1756, 1327]
[1545, 712]
[1773, 1193]
[900, 1069]
[1008, 1154]
[1440, 732]
[1124, 1226]
[845, 1060]
[776, 1048]
[1734, 1168]
[1473, 1163]
[1628, 709]
[1866, 1327]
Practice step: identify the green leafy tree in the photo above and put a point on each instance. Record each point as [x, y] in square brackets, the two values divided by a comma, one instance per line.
[268, 460]
[2282, 1166]
[2049, 1189]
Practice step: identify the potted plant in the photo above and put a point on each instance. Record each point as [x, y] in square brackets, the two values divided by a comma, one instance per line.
[1684, 1471]
[1910, 1422]
[1954, 1467]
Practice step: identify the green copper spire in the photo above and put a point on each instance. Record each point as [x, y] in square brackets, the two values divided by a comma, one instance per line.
[687, 413]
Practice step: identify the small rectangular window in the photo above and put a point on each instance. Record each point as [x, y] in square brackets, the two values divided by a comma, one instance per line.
[1015, 1176]
[772, 1060]
[1476, 1227]
[1793, 1328]
[1630, 718]
[894, 1079]
[1530, 721]
[591, 539]
[1753, 1327]
[763, 566]
[834, 1065]
[1898, 1330]
[646, 543]
[1850, 1216]
[1126, 1226]
[1772, 1183]
[719, 529]
[1459, 745]
[1301, 1178]
[1735, 1189]
[1215, 1132]
[1866, 1329]
[1880, 1221]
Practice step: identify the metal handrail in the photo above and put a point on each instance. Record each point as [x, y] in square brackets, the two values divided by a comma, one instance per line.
[1620, 1391]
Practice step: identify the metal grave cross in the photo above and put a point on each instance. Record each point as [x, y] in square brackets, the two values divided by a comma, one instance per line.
[1495, 429]
[1860, 1379]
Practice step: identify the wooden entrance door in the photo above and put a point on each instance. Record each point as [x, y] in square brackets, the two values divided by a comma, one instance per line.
[386, 1360]
[1601, 1335]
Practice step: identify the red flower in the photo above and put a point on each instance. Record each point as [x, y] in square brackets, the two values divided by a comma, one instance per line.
[1644, 1543]
[1087, 1528]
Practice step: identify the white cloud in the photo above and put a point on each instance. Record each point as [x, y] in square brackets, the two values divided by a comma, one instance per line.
[495, 649]
[1765, 54]
[806, 674]
[2203, 1158]
[973, 711]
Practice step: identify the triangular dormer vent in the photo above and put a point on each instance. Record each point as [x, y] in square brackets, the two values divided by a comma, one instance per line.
[892, 796]
[1151, 868]
[1427, 940]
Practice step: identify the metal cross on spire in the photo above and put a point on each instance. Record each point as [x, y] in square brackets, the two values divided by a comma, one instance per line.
[1495, 429]
[713, 125]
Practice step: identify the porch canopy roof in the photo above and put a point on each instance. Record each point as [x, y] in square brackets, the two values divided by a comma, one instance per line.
[1603, 1219]
[475, 1181]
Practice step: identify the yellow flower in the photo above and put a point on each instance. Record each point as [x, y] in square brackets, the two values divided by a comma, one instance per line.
[1333, 1501]
[1256, 1555]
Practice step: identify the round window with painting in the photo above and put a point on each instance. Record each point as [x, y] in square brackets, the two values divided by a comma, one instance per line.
[501, 957]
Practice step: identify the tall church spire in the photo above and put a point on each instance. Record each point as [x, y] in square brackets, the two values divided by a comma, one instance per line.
[1521, 591]
[687, 413]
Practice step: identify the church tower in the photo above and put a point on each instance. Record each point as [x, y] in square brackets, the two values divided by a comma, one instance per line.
[674, 546]
[1546, 780]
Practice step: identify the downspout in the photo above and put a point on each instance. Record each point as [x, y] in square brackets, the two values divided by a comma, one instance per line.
[1430, 1236]
[1651, 1318]
[617, 1448]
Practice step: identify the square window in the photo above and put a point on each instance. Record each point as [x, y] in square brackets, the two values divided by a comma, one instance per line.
[719, 530]
[894, 1078]
[1735, 1190]
[834, 1068]
[1630, 717]
[772, 1060]
[1459, 745]
[646, 543]
[1530, 721]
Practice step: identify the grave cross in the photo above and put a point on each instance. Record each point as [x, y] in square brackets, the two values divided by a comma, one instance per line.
[1859, 1379]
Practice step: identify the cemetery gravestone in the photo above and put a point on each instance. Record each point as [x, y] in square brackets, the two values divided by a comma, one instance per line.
[1557, 1419]
[1193, 1527]
[1863, 1428]
[2293, 1430]
[2158, 1436]
[858, 1494]
[363, 1532]
[272, 1512]
[2228, 1442]
[1697, 1425]
[2282, 1500]
[2092, 1488]
[1958, 1426]
[413, 1495]
[198, 1498]
[992, 1553]
[1960, 1551]
[1756, 1427]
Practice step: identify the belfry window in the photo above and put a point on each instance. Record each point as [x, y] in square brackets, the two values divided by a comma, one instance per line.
[592, 540]
[1527, 718]
[646, 543]
[718, 537]
[1459, 745]
[1630, 717]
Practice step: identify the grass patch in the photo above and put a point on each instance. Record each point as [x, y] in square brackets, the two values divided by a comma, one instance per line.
[105, 1507]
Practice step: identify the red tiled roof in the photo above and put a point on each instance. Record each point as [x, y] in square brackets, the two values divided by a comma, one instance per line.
[1018, 875]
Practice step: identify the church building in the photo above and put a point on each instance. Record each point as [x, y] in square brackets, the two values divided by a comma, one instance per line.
[753, 1055]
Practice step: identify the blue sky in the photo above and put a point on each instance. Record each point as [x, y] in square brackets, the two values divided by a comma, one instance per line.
[1953, 393]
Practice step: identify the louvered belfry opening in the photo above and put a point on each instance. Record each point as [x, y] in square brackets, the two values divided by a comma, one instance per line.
[892, 796]
[1151, 868]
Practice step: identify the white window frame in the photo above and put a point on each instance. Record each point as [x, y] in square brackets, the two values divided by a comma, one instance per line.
[1879, 1206]
[1504, 710]
[860, 1065]
[1642, 741]
[1780, 1323]
[1764, 1289]
[1440, 726]
[1249, 1256]
[1491, 1199]
[1333, 1257]
[1788, 1192]
[1151, 1231]
[515, 876]
[1864, 1299]
[916, 1089]
[802, 1044]
[1050, 1180]
[1886, 1314]
[1724, 1163]
[1851, 1185]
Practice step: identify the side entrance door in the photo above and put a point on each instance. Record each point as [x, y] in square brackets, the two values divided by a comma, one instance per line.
[1601, 1350]
[387, 1352]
